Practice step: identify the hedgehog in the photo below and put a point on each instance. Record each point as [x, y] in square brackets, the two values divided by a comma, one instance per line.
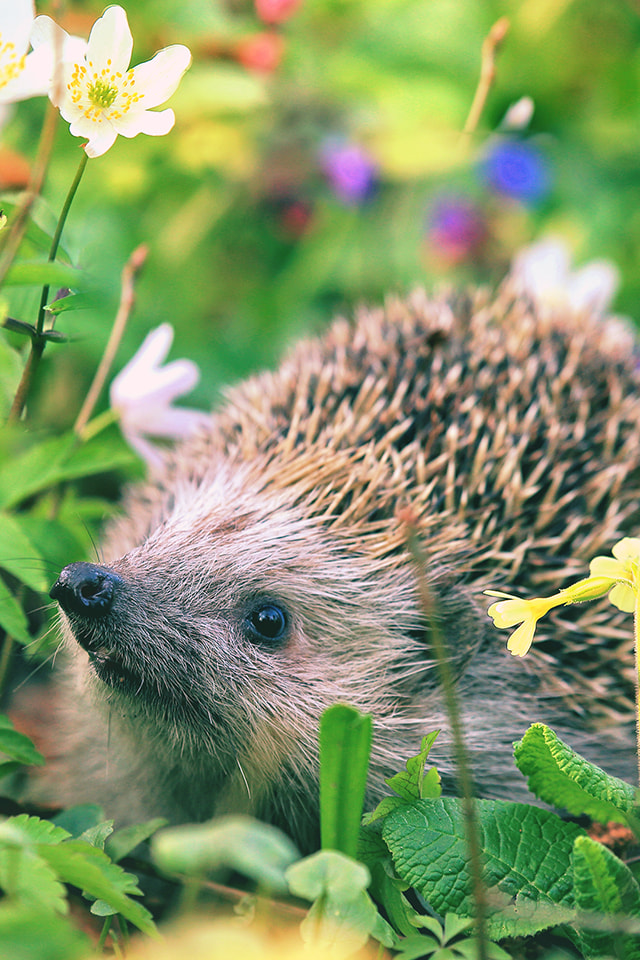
[264, 573]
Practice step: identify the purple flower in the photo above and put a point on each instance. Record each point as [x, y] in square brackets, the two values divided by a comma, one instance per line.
[350, 171]
[518, 169]
[455, 228]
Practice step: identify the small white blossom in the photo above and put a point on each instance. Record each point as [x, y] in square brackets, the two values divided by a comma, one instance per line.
[142, 394]
[543, 272]
[24, 74]
[519, 114]
[100, 97]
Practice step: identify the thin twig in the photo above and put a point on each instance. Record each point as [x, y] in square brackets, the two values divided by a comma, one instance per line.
[127, 299]
[490, 46]
[463, 770]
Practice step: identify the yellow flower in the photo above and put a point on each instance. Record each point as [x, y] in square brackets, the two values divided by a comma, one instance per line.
[509, 611]
[623, 571]
[512, 610]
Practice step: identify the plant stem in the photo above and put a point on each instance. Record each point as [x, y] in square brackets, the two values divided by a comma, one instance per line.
[55, 243]
[636, 631]
[37, 340]
[127, 297]
[487, 73]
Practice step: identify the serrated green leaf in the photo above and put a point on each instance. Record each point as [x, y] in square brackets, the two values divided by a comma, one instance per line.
[605, 887]
[343, 915]
[413, 783]
[255, 849]
[345, 745]
[123, 841]
[42, 273]
[18, 555]
[91, 870]
[561, 777]
[33, 830]
[28, 880]
[17, 746]
[12, 616]
[526, 854]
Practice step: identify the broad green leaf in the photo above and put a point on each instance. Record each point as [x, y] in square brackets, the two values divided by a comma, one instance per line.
[63, 458]
[16, 745]
[32, 933]
[255, 849]
[605, 887]
[345, 745]
[561, 777]
[12, 616]
[33, 830]
[123, 841]
[18, 555]
[25, 876]
[42, 272]
[91, 870]
[526, 855]
[75, 820]
[343, 915]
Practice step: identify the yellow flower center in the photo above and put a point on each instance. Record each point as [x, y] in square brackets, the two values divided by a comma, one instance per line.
[104, 95]
[11, 65]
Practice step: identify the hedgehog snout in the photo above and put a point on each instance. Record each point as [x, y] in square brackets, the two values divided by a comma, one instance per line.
[86, 590]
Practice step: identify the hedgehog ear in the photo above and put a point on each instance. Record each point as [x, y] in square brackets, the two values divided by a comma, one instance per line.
[462, 625]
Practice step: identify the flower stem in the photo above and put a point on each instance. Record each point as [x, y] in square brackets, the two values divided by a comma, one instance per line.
[38, 341]
[55, 243]
[636, 630]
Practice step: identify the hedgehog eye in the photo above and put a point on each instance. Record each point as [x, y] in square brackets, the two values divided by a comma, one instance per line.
[267, 622]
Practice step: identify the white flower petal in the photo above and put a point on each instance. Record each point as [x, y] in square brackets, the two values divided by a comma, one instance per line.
[593, 287]
[541, 268]
[153, 350]
[32, 81]
[159, 77]
[99, 141]
[17, 17]
[153, 123]
[148, 452]
[110, 42]
[170, 422]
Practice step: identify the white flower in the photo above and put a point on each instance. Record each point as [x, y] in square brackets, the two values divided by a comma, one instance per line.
[25, 75]
[543, 273]
[101, 97]
[519, 114]
[142, 394]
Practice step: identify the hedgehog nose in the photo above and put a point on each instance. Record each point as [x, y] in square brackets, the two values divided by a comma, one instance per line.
[86, 589]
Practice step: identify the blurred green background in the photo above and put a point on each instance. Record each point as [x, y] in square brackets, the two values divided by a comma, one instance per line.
[316, 163]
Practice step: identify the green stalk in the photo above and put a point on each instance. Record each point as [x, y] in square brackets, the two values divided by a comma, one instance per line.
[38, 341]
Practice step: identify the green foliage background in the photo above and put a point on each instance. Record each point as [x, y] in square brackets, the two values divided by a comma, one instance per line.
[250, 246]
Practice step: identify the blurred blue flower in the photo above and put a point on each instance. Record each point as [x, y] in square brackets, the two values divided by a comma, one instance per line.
[351, 172]
[518, 169]
[455, 228]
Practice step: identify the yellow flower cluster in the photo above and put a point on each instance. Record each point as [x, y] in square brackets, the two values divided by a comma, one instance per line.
[617, 575]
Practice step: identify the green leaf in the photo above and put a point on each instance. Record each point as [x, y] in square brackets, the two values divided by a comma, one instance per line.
[526, 854]
[345, 745]
[18, 555]
[123, 841]
[11, 364]
[413, 783]
[343, 915]
[255, 849]
[73, 301]
[12, 616]
[91, 870]
[561, 777]
[42, 273]
[75, 820]
[48, 462]
[25, 876]
[16, 745]
[605, 887]
[33, 933]
[97, 835]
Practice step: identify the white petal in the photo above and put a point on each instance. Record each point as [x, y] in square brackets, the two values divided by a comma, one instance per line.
[159, 386]
[147, 451]
[152, 122]
[593, 287]
[110, 41]
[154, 348]
[159, 77]
[542, 268]
[33, 81]
[17, 17]
[171, 422]
[100, 138]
